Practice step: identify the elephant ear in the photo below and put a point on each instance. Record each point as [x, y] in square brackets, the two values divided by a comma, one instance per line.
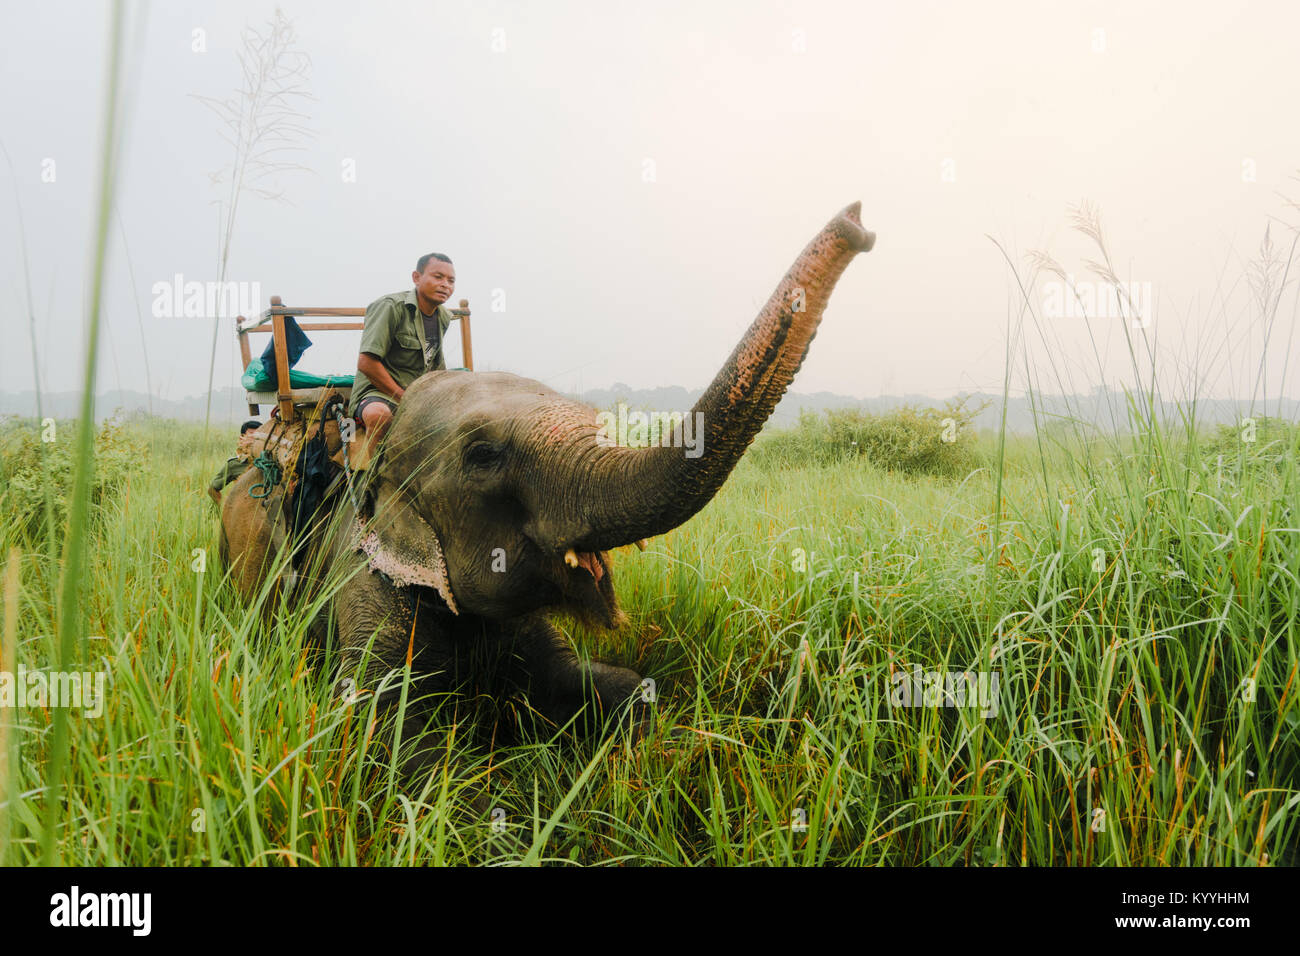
[401, 545]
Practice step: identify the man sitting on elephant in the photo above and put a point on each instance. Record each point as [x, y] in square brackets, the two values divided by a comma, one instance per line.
[402, 340]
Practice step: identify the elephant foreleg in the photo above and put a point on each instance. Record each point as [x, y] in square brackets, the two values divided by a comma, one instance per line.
[560, 686]
[379, 626]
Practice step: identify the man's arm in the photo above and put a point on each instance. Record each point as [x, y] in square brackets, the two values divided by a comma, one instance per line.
[372, 368]
[376, 340]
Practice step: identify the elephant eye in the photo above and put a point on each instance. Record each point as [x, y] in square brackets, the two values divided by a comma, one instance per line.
[482, 454]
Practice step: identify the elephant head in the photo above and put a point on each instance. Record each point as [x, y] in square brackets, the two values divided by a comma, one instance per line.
[501, 494]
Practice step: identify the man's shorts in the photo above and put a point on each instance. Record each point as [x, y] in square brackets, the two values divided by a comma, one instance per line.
[361, 405]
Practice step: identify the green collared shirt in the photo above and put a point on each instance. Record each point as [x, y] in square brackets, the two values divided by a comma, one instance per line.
[394, 331]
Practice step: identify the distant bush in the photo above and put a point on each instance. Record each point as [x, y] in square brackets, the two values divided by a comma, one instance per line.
[1259, 442]
[31, 469]
[918, 441]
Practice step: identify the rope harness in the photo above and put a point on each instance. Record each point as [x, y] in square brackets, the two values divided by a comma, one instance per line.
[266, 464]
[347, 463]
[271, 474]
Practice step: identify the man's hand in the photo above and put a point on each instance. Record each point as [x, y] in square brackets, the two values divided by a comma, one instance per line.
[372, 368]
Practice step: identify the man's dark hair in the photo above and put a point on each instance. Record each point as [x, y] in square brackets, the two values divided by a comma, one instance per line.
[424, 260]
[249, 425]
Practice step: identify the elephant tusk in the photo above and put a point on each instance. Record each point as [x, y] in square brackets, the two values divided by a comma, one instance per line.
[571, 558]
[640, 544]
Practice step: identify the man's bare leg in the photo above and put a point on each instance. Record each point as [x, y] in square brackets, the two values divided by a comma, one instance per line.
[376, 416]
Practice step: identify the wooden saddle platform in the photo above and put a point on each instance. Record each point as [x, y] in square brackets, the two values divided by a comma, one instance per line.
[298, 410]
[288, 399]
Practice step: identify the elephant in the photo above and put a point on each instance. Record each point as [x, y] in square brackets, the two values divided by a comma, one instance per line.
[494, 502]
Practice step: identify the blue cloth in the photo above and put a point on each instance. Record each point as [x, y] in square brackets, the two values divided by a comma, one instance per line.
[295, 341]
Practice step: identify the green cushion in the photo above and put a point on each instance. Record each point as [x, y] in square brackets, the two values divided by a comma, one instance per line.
[255, 379]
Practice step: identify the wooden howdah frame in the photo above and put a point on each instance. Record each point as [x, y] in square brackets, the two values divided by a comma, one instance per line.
[272, 320]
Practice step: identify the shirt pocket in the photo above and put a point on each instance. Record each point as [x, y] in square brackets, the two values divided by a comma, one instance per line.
[407, 339]
[407, 352]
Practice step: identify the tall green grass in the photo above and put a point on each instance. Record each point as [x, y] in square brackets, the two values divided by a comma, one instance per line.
[1121, 690]
[68, 623]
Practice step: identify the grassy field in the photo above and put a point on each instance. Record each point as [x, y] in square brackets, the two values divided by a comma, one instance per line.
[1136, 602]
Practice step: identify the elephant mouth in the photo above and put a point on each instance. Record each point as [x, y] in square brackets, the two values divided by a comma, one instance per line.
[592, 561]
[587, 585]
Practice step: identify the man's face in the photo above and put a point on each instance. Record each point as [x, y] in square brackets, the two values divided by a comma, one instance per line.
[437, 282]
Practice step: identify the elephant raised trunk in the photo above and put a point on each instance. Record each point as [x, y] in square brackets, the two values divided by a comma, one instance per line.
[626, 494]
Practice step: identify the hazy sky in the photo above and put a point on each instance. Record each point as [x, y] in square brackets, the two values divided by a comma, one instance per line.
[519, 137]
